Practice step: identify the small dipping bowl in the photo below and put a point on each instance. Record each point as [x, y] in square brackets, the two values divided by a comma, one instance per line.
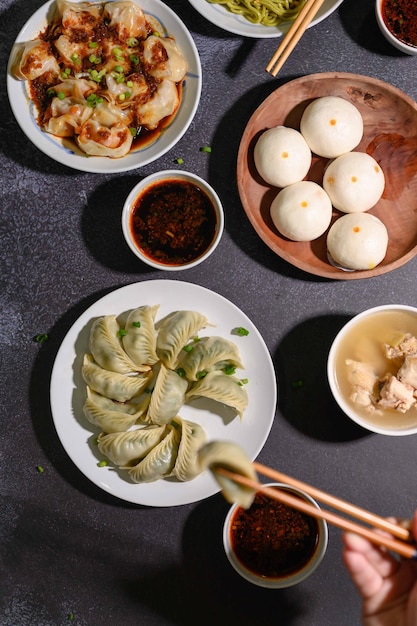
[272, 558]
[362, 340]
[172, 220]
[385, 16]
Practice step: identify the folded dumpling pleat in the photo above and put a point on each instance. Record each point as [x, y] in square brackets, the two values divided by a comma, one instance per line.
[175, 331]
[109, 417]
[228, 455]
[207, 354]
[140, 339]
[167, 397]
[160, 461]
[128, 448]
[221, 388]
[106, 347]
[193, 437]
[120, 387]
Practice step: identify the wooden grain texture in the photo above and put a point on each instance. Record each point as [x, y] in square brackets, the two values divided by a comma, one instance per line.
[390, 136]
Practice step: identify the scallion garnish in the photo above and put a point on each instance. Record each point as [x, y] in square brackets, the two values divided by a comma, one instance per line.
[201, 374]
[205, 149]
[40, 469]
[132, 41]
[242, 332]
[229, 370]
[188, 347]
[121, 332]
[181, 372]
[41, 338]
[102, 463]
[136, 324]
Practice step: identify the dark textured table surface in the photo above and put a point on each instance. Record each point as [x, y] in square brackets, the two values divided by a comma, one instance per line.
[67, 547]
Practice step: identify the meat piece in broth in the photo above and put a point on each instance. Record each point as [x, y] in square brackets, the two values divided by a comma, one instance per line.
[396, 395]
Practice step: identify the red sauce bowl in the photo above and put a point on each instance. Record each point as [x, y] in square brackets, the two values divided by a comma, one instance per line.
[272, 545]
[397, 21]
[172, 220]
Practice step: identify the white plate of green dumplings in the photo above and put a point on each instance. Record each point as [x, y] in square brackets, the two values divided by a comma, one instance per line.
[79, 435]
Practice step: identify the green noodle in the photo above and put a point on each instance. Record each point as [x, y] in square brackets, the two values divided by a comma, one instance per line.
[265, 12]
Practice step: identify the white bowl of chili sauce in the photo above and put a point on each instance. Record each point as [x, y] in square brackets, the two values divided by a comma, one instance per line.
[173, 220]
[397, 20]
[273, 545]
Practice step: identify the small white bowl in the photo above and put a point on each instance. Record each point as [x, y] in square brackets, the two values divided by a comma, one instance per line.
[362, 339]
[145, 186]
[288, 579]
[389, 34]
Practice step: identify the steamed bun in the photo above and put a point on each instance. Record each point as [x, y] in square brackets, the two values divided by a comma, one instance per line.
[302, 211]
[357, 241]
[331, 126]
[354, 181]
[282, 156]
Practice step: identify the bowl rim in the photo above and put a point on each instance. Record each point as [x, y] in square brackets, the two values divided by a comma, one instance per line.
[389, 35]
[291, 579]
[178, 175]
[343, 405]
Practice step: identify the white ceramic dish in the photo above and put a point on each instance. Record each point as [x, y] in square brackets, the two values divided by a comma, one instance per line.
[170, 175]
[389, 36]
[23, 108]
[68, 390]
[358, 348]
[291, 579]
[220, 16]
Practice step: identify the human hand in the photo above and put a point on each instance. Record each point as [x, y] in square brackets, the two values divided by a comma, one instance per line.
[386, 583]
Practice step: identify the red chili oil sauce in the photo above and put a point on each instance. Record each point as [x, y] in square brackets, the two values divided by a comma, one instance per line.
[173, 222]
[400, 17]
[271, 539]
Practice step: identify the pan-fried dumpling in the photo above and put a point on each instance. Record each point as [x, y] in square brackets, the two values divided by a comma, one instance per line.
[160, 461]
[128, 448]
[167, 396]
[164, 58]
[120, 387]
[229, 456]
[32, 59]
[207, 354]
[140, 338]
[127, 18]
[175, 331]
[222, 388]
[108, 416]
[164, 102]
[193, 437]
[106, 347]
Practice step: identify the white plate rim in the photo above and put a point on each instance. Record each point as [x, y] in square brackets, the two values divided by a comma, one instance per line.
[67, 390]
[23, 108]
[238, 25]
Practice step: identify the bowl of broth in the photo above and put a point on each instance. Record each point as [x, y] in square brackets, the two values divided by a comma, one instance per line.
[173, 220]
[372, 369]
[273, 545]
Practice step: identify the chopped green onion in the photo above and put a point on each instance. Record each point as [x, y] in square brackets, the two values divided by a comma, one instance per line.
[201, 374]
[70, 617]
[95, 441]
[41, 338]
[133, 131]
[136, 324]
[51, 93]
[229, 370]
[242, 332]
[40, 469]
[180, 161]
[129, 83]
[296, 384]
[205, 149]
[188, 347]
[243, 381]
[121, 332]
[156, 33]
[132, 41]
[60, 95]
[95, 75]
[134, 59]
[181, 372]
[102, 463]
[118, 68]
[122, 97]
[93, 58]
[92, 44]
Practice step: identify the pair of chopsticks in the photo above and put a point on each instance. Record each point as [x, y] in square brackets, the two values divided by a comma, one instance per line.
[293, 36]
[399, 543]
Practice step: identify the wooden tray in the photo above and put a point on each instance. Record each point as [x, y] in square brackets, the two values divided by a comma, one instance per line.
[390, 136]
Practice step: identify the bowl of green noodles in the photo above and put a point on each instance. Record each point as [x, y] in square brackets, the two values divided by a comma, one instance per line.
[258, 18]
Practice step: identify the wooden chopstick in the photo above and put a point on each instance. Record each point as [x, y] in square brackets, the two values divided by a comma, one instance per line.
[336, 503]
[293, 36]
[404, 549]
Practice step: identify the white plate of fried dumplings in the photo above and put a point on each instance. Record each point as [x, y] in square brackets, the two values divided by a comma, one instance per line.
[218, 421]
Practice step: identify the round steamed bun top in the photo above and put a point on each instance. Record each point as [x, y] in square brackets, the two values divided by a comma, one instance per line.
[357, 241]
[282, 156]
[331, 126]
[301, 211]
[354, 181]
